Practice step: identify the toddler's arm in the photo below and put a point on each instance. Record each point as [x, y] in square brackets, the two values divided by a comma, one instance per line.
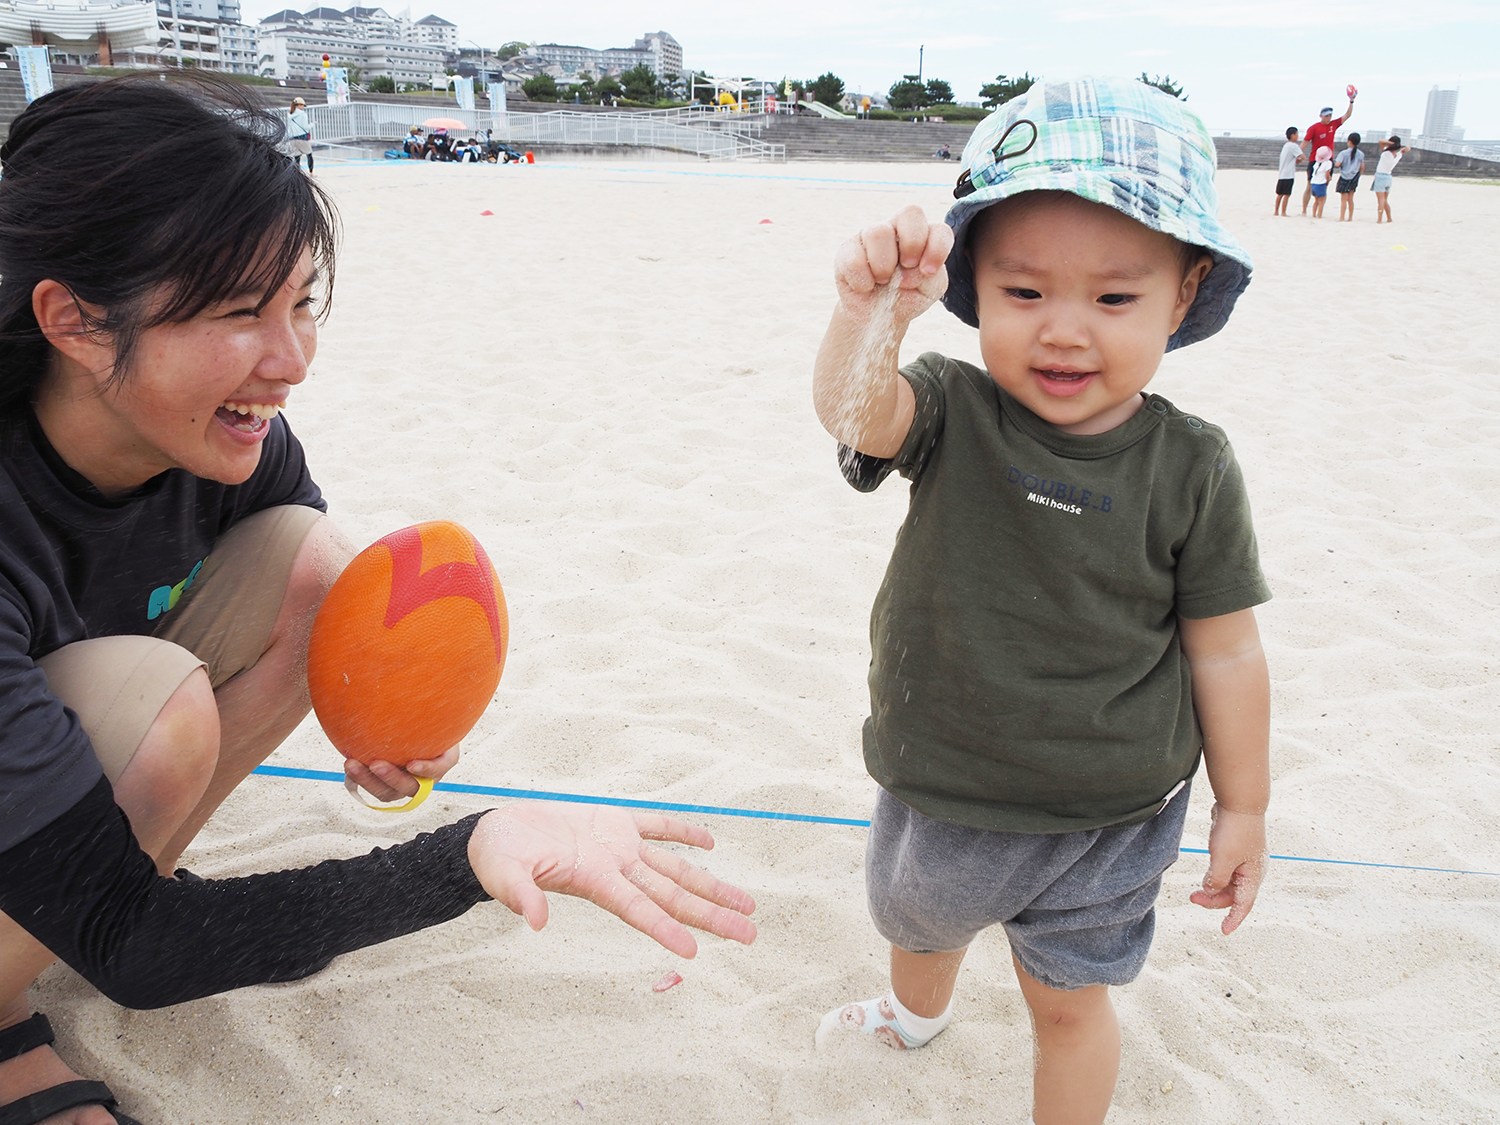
[858, 391]
[1232, 695]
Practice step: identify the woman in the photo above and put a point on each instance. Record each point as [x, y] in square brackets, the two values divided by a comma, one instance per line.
[163, 549]
[299, 133]
[1391, 153]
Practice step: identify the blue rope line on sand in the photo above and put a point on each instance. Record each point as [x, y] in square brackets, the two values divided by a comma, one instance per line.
[761, 814]
[582, 798]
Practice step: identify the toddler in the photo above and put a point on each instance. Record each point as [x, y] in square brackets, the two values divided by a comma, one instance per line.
[1322, 169]
[1066, 621]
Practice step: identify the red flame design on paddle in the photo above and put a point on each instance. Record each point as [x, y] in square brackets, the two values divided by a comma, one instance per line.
[411, 588]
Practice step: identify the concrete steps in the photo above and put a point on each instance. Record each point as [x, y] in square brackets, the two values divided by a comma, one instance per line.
[1262, 153]
[814, 138]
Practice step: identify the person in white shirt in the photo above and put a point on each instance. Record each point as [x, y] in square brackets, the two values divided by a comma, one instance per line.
[1391, 153]
[1286, 171]
[1322, 169]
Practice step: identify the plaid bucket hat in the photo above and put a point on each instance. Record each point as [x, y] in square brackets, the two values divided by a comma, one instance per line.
[1114, 141]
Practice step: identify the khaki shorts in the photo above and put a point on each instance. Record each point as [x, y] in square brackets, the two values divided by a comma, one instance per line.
[118, 685]
[299, 147]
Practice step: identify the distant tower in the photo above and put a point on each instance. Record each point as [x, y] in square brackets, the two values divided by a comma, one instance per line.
[1441, 107]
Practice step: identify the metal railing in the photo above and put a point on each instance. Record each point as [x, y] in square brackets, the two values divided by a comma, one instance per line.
[701, 134]
[375, 121]
[1456, 148]
[563, 127]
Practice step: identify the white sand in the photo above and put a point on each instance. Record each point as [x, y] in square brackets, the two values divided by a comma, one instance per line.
[608, 382]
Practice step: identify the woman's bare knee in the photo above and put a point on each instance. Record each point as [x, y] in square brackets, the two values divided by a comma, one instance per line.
[173, 764]
[320, 560]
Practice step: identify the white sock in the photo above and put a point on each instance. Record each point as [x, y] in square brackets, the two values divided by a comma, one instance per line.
[924, 1028]
[887, 1019]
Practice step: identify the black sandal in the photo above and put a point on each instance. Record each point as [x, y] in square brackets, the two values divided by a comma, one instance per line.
[28, 1036]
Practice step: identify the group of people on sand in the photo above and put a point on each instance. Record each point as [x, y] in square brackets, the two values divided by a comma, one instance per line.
[1065, 632]
[1327, 164]
[441, 146]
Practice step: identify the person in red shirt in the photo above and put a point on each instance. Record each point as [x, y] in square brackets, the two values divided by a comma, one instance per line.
[1320, 133]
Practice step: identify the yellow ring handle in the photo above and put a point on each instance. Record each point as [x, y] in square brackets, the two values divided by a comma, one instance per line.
[424, 787]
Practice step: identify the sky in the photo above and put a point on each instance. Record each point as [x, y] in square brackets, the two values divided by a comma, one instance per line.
[1251, 65]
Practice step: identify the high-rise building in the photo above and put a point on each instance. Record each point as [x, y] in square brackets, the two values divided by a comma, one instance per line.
[292, 44]
[435, 31]
[1441, 107]
[657, 50]
[201, 33]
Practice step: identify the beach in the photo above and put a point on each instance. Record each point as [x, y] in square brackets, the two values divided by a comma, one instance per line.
[608, 381]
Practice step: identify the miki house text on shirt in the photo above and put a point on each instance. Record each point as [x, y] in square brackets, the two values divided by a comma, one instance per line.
[1065, 497]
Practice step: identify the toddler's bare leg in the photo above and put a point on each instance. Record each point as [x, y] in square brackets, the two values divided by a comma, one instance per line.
[1077, 1052]
[924, 981]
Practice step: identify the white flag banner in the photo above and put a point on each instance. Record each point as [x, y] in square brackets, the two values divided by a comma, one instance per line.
[336, 85]
[36, 71]
[497, 105]
[463, 90]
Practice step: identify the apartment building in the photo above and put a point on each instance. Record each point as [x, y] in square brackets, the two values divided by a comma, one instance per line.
[292, 44]
[657, 50]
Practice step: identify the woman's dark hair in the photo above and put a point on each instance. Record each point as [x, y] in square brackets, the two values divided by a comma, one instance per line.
[1394, 142]
[1354, 138]
[150, 201]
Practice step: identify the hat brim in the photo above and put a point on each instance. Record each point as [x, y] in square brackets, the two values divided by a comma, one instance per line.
[1135, 196]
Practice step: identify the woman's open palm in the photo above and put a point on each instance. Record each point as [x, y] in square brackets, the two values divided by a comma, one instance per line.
[601, 854]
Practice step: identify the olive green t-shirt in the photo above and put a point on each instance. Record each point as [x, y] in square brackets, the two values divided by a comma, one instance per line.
[1026, 673]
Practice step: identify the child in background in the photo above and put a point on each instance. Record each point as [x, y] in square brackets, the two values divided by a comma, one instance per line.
[1391, 153]
[1066, 621]
[1350, 162]
[1286, 171]
[1322, 169]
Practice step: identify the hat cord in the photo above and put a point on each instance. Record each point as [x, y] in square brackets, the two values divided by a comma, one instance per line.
[966, 185]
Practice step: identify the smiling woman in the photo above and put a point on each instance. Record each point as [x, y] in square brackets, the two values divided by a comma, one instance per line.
[162, 554]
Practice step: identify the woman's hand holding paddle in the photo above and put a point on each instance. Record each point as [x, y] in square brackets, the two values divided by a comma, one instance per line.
[600, 854]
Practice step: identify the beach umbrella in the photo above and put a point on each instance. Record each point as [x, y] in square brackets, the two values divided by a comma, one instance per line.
[444, 123]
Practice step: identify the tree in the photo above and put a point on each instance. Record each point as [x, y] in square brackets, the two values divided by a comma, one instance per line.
[542, 88]
[639, 83]
[1165, 84]
[827, 88]
[607, 89]
[995, 94]
[584, 90]
[907, 94]
[511, 50]
[938, 92]
[381, 84]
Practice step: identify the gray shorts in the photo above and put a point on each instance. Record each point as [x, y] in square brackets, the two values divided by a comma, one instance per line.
[1078, 907]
